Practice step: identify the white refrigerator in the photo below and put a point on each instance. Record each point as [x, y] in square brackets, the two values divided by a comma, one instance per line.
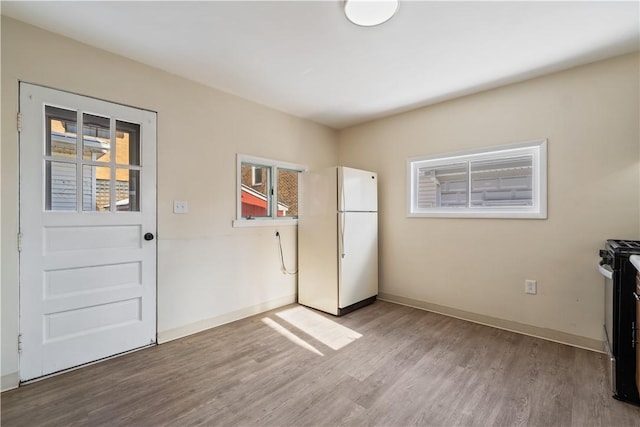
[338, 239]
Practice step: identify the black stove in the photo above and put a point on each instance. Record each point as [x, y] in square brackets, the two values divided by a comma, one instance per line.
[620, 316]
[624, 244]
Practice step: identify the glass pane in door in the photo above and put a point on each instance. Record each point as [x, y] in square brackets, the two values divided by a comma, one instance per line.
[127, 143]
[61, 185]
[96, 138]
[96, 191]
[127, 190]
[61, 132]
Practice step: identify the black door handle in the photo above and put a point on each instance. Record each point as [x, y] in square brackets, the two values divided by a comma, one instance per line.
[148, 236]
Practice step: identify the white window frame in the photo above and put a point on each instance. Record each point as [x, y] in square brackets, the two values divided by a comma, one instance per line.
[274, 166]
[536, 148]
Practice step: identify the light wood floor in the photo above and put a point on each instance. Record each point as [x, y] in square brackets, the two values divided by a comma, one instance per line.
[409, 367]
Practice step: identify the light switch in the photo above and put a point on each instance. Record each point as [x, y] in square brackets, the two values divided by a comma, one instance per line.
[531, 287]
[180, 207]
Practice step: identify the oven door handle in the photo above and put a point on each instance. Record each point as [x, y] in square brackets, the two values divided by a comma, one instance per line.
[606, 271]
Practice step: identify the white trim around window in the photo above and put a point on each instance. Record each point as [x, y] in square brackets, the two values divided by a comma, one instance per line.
[507, 181]
[271, 191]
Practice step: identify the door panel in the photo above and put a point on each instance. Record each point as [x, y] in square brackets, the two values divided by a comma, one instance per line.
[87, 276]
[92, 237]
[78, 281]
[358, 237]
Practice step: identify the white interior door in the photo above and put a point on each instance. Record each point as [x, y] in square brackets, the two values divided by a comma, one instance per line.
[87, 222]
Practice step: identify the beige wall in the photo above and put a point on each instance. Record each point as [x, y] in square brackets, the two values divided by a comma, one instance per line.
[208, 272]
[476, 268]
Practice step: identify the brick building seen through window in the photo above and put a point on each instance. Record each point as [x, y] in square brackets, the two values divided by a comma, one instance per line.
[256, 184]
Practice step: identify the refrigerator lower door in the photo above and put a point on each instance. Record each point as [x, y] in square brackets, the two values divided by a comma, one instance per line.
[358, 257]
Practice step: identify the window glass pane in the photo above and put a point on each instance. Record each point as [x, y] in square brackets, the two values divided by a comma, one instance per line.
[61, 132]
[257, 175]
[96, 138]
[96, 192]
[127, 190]
[61, 185]
[502, 182]
[254, 193]
[442, 186]
[287, 193]
[127, 143]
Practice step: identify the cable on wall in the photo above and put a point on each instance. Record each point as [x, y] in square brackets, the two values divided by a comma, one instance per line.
[283, 268]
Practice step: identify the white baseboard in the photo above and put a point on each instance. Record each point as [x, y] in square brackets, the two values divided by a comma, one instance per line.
[521, 328]
[10, 381]
[202, 325]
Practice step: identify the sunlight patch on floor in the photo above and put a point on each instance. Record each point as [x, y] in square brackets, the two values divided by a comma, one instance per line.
[328, 332]
[290, 336]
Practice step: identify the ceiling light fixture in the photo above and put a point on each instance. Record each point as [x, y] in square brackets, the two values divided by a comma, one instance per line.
[368, 13]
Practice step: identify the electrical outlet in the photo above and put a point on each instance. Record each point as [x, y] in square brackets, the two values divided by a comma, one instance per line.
[531, 287]
[180, 207]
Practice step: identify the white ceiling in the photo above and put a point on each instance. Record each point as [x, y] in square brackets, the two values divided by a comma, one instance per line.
[305, 58]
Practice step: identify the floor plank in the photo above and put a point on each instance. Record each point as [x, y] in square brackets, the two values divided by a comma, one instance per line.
[408, 367]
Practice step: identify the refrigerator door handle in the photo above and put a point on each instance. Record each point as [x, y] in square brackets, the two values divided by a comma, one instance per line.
[343, 224]
[342, 196]
[342, 203]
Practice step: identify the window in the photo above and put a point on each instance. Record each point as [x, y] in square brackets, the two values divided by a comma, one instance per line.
[267, 191]
[109, 166]
[501, 182]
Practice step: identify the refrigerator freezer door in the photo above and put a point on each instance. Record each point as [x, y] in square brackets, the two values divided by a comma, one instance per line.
[358, 190]
[358, 257]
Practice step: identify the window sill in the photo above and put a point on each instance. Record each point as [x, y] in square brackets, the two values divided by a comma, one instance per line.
[237, 223]
[476, 214]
